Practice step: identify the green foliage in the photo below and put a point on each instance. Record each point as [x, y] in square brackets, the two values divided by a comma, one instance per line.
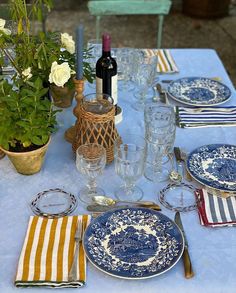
[26, 117]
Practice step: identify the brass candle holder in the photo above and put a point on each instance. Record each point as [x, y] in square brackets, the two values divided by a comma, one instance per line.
[79, 89]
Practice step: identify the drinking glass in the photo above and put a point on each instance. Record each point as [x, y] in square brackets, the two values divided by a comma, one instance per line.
[144, 78]
[160, 136]
[90, 161]
[95, 49]
[130, 155]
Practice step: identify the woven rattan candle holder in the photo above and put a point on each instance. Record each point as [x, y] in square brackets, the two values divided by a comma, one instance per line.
[96, 124]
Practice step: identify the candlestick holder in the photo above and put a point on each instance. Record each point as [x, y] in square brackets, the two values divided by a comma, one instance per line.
[96, 123]
[79, 89]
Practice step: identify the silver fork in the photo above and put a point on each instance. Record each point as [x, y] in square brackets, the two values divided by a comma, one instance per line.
[78, 238]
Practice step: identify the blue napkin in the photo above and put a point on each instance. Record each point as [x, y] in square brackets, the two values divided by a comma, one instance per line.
[205, 116]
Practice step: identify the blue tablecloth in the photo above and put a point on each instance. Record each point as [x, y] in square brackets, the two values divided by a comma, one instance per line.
[212, 249]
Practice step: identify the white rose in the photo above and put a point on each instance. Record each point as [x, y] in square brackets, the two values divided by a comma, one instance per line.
[2, 24]
[60, 73]
[68, 43]
[27, 73]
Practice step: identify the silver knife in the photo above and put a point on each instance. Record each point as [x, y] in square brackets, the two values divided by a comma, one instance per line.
[103, 208]
[188, 270]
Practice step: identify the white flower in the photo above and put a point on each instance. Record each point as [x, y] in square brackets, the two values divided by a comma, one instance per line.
[2, 24]
[68, 43]
[27, 73]
[60, 73]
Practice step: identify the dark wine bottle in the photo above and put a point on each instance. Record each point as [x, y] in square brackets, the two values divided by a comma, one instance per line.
[106, 71]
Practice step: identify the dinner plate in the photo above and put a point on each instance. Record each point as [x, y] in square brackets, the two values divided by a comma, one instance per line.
[214, 166]
[133, 243]
[53, 203]
[199, 91]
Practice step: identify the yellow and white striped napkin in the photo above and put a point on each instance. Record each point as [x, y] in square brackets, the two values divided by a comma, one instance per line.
[166, 63]
[48, 252]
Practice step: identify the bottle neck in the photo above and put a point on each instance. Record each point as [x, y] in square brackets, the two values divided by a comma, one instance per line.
[106, 53]
[106, 45]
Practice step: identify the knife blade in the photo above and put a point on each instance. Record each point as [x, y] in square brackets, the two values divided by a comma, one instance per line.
[103, 208]
[181, 161]
[188, 270]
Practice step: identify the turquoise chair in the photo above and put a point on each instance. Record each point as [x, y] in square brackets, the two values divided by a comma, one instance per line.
[100, 8]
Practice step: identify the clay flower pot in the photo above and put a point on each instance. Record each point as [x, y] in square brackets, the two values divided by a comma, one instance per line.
[28, 163]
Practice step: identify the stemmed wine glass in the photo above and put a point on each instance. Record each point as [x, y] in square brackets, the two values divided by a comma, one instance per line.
[90, 161]
[130, 155]
[144, 78]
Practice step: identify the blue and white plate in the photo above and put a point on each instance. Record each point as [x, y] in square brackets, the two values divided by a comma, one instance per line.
[199, 91]
[214, 166]
[133, 243]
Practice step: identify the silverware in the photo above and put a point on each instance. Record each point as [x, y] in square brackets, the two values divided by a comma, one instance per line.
[162, 93]
[78, 238]
[181, 160]
[217, 78]
[188, 270]
[102, 208]
[199, 110]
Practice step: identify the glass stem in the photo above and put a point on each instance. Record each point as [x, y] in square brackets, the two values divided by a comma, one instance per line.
[129, 186]
[92, 185]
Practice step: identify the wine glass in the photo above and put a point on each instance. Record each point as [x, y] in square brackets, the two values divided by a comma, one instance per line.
[144, 78]
[130, 155]
[95, 49]
[90, 161]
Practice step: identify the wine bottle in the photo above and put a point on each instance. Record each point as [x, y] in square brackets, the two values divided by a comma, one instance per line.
[106, 71]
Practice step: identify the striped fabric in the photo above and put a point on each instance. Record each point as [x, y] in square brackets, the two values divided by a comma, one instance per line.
[166, 63]
[205, 117]
[48, 251]
[214, 210]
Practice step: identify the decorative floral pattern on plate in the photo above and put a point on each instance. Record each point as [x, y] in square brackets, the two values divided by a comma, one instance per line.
[133, 243]
[199, 91]
[214, 166]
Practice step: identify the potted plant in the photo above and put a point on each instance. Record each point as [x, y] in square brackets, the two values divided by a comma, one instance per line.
[27, 115]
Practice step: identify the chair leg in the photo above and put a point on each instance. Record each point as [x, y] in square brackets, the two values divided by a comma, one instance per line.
[98, 18]
[159, 33]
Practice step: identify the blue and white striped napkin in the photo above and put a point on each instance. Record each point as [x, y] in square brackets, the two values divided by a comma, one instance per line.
[166, 63]
[215, 211]
[205, 116]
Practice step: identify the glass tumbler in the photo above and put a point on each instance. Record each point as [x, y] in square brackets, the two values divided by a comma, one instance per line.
[130, 156]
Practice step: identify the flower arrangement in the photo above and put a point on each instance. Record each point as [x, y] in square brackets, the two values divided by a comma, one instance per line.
[27, 116]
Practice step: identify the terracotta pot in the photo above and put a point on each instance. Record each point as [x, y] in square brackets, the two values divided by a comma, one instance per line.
[28, 163]
[2, 154]
[62, 96]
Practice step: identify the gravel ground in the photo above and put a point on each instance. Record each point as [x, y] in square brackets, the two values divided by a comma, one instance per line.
[180, 31]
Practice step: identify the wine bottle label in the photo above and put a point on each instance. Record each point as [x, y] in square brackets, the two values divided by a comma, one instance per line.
[99, 87]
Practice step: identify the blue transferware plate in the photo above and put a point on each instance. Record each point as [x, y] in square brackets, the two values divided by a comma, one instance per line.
[199, 91]
[214, 166]
[133, 243]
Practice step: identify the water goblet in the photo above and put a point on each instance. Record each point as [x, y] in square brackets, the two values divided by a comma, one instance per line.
[90, 161]
[144, 78]
[130, 155]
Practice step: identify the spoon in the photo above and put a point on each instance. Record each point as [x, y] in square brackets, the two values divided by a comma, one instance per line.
[174, 175]
[108, 201]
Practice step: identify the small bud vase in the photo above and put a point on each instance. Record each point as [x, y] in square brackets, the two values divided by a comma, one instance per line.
[62, 96]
